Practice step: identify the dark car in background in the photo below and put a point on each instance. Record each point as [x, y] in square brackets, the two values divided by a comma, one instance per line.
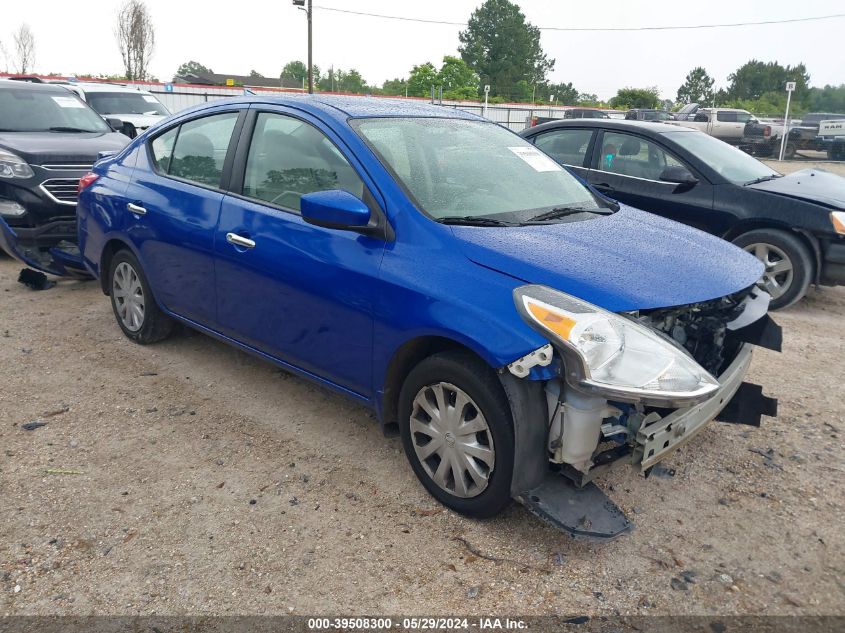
[49, 138]
[648, 114]
[795, 224]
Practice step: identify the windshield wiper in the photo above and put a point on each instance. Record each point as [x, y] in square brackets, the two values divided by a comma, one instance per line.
[762, 179]
[62, 128]
[473, 220]
[562, 212]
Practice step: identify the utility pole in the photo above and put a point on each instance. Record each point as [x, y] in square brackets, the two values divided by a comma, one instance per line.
[308, 12]
[790, 87]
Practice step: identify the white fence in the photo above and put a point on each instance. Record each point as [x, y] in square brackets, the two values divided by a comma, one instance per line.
[511, 115]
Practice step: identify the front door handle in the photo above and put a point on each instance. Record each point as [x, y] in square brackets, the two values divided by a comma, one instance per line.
[136, 209]
[240, 240]
[603, 187]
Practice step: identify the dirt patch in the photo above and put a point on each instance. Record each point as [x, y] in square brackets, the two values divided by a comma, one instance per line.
[188, 477]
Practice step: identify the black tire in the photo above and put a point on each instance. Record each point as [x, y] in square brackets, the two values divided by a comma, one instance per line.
[789, 151]
[154, 325]
[836, 152]
[471, 375]
[796, 252]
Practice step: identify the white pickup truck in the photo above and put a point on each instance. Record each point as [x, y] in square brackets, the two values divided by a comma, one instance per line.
[832, 138]
[726, 124]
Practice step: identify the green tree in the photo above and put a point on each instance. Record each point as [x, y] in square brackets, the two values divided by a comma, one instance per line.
[297, 71]
[755, 78]
[564, 94]
[503, 48]
[394, 87]
[636, 98]
[255, 74]
[338, 80]
[697, 87]
[589, 99]
[421, 79]
[459, 81]
[827, 99]
[193, 68]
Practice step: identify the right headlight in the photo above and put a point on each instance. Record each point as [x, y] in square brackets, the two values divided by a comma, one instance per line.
[13, 166]
[613, 355]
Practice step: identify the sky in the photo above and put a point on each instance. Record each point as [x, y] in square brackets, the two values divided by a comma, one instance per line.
[236, 37]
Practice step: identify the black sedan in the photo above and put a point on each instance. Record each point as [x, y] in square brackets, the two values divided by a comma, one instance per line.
[795, 224]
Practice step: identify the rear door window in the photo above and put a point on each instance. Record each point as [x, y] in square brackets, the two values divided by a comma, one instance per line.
[195, 150]
[567, 146]
[726, 117]
[201, 148]
[162, 147]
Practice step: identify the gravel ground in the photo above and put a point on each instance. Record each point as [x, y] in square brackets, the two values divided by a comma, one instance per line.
[188, 477]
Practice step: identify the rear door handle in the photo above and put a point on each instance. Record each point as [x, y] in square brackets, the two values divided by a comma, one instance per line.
[136, 209]
[240, 240]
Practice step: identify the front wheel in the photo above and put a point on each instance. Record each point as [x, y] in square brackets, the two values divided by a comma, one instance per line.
[788, 262]
[457, 432]
[132, 301]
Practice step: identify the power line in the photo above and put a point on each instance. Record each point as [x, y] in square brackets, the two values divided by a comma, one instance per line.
[599, 29]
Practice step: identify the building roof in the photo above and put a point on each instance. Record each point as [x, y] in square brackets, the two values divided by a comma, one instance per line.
[217, 79]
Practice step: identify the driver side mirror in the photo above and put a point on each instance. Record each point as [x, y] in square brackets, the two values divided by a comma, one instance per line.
[115, 124]
[335, 209]
[678, 175]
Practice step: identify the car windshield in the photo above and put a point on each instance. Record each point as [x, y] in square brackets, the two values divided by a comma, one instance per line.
[461, 168]
[107, 103]
[731, 163]
[38, 110]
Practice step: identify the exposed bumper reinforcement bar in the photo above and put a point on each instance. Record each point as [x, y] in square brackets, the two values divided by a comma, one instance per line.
[659, 438]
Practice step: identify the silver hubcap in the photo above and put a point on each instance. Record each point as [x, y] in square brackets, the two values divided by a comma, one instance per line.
[128, 296]
[779, 272]
[452, 440]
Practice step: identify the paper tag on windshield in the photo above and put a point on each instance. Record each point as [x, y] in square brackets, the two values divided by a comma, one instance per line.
[535, 158]
[150, 99]
[68, 102]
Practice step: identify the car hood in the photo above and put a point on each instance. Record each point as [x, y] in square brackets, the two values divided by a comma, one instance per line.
[39, 148]
[814, 185]
[630, 260]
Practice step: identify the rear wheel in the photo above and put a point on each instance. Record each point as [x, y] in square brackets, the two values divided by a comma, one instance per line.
[788, 262]
[789, 151]
[457, 433]
[132, 301]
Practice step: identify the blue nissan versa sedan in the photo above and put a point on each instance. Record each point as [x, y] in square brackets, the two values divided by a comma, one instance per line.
[523, 331]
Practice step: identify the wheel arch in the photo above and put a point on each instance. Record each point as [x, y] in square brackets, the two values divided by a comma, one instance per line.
[807, 239]
[110, 249]
[403, 360]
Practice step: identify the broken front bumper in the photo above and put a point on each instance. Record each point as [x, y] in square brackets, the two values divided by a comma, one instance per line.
[659, 436]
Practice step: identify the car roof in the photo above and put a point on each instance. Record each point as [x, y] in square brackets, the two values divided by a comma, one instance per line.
[92, 86]
[35, 87]
[342, 107]
[647, 128]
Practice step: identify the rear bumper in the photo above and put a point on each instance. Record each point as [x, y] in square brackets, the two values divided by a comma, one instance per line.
[660, 437]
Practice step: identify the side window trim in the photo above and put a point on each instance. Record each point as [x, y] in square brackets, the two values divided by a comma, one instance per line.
[597, 156]
[239, 164]
[227, 162]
